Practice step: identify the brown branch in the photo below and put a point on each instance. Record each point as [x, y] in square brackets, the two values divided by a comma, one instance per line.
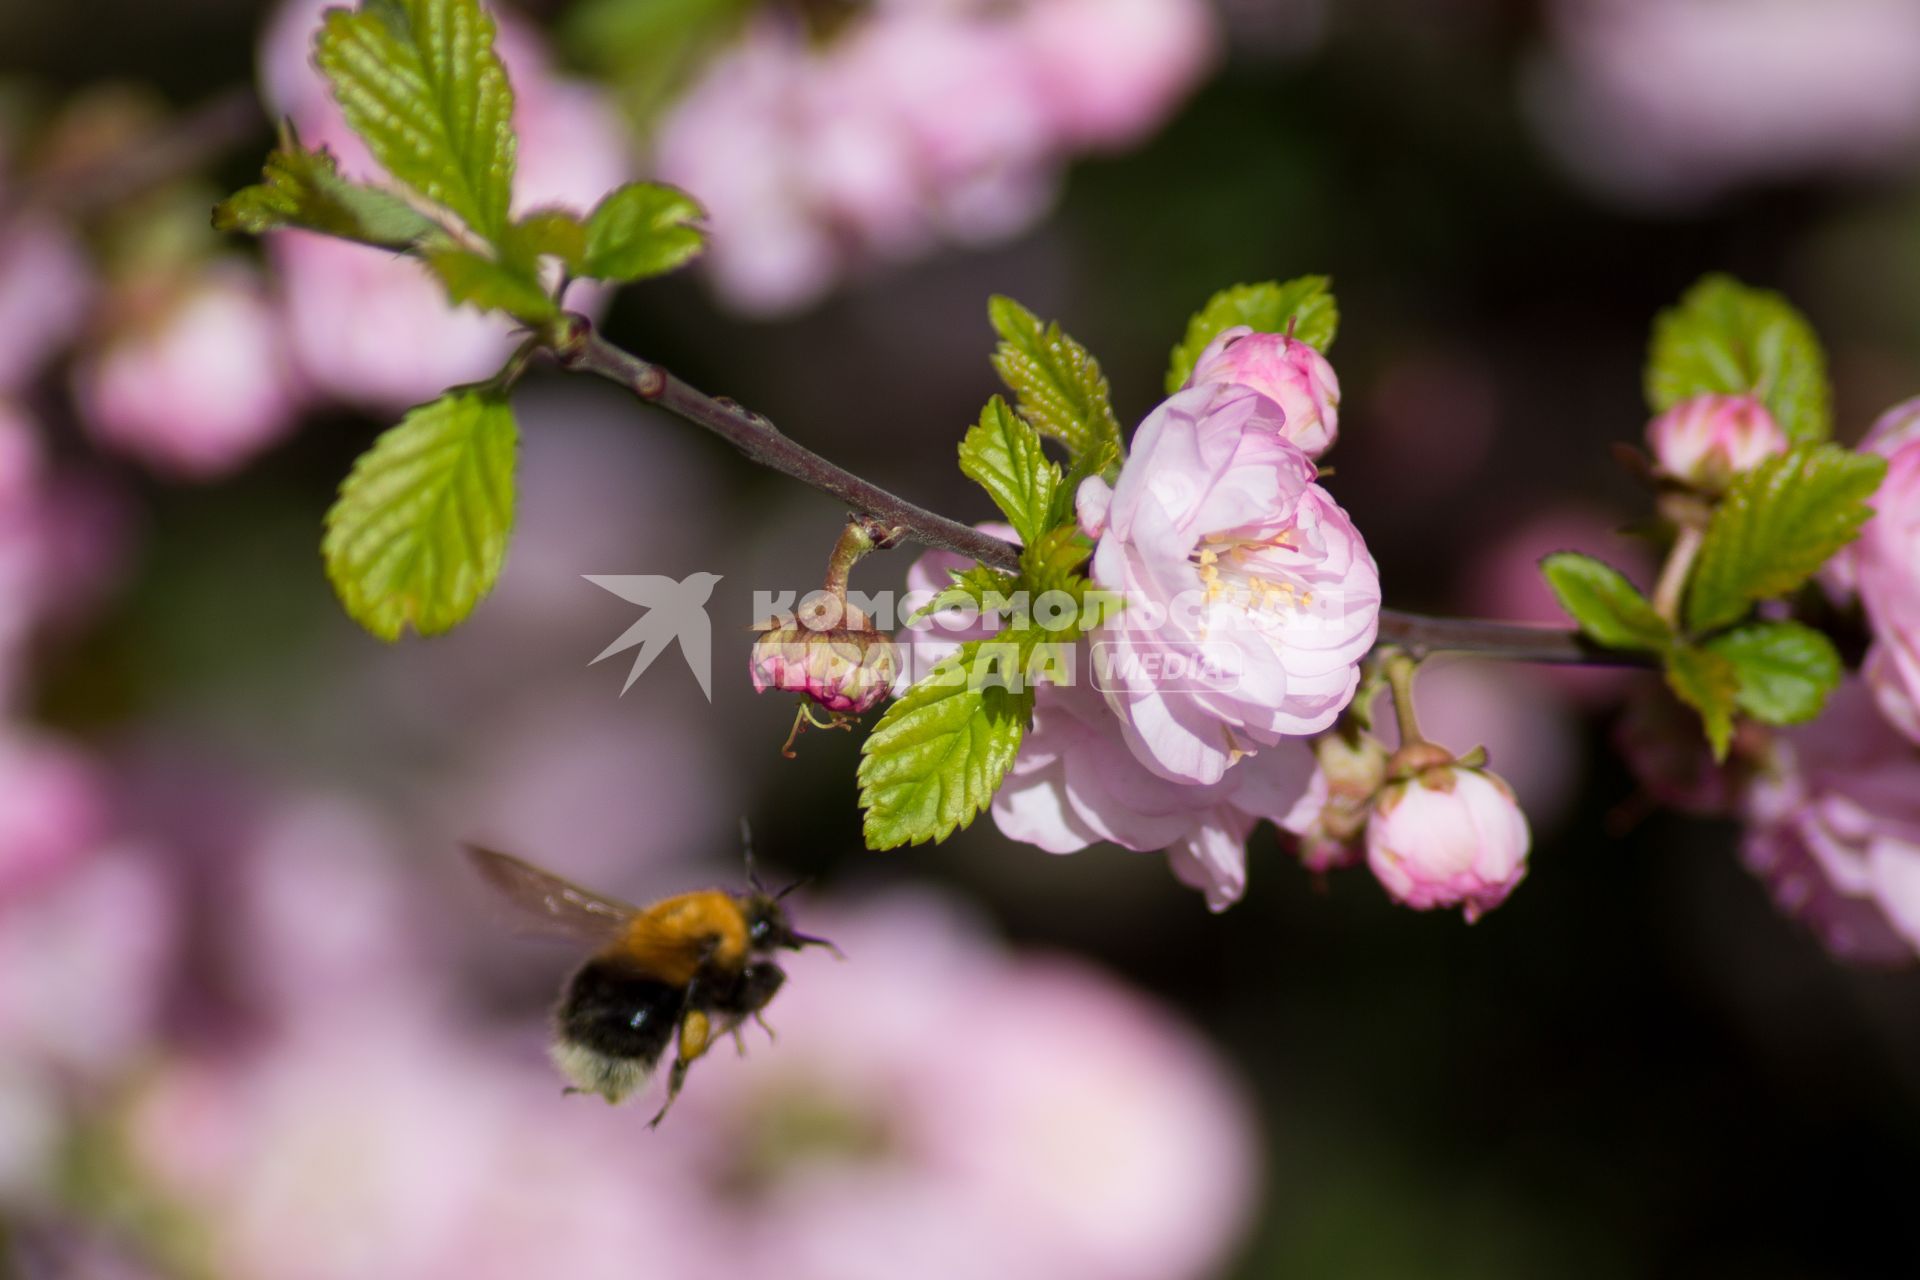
[577, 347]
[175, 149]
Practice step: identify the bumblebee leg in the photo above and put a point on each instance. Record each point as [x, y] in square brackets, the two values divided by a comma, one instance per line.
[696, 1037]
[739, 1040]
[760, 1017]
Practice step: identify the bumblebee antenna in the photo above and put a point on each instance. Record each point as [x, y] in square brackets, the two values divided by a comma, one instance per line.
[802, 882]
[746, 848]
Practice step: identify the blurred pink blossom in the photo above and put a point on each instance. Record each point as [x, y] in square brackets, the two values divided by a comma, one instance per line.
[1673, 100]
[1084, 1132]
[912, 125]
[372, 328]
[83, 963]
[1233, 562]
[1885, 567]
[22, 462]
[197, 387]
[46, 287]
[1834, 830]
[52, 810]
[1075, 782]
[1522, 721]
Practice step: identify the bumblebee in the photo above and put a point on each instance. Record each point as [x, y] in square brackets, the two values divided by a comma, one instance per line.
[692, 967]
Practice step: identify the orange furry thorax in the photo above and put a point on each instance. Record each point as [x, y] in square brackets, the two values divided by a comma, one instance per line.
[672, 939]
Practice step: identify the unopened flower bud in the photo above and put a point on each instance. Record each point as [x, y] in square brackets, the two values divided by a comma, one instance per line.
[1446, 836]
[846, 668]
[1291, 373]
[1707, 440]
[1330, 819]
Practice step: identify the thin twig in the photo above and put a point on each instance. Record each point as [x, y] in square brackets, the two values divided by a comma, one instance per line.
[577, 347]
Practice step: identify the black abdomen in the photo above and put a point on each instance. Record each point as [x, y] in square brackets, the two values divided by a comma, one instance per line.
[613, 1011]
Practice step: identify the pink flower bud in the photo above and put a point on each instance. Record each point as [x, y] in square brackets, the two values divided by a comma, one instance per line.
[845, 668]
[1291, 373]
[1448, 836]
[1331, 818]
[1707, 440]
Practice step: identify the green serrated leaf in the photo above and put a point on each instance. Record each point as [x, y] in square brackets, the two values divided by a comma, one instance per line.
[1726, 338]
[1785, 670]
[491, 286]
[1778, 524]
[419, 81]
[1709, 684]
[642, 229]
[980, 588]
[302, 188]
[1608, 608]
[1057, 384]
[548, 233]
[419, 532]
[1003, 454]
[1052, 561]
[937, 756]
[1306, 303]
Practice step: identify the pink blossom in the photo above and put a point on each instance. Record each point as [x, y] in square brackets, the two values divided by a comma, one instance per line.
[1242, 580]
[1885, 566]
[1085, 1132]
[1673, 100]
[1291, 373]
[911, 125]
[22, 462]
[46, 287]
[200, 387]
[83, 963]
[1448, 836]
[1834, 830]
[52, 810]
[1112, 70]
[848, 669]
[1075, 782]
[1707, 440]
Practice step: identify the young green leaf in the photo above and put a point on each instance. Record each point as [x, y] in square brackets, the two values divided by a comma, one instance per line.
[1003, 453]
[1729, 339]
[1608, 608]
[491, 286]
[304, 189]
[420, 82]
[642, 229]
[1785, 670]
[936, 757]
[548, 233]
[979, 588]
[419, 532]
[1305, 303]
[1778, 524]
[1709, 684]
[1057, 384]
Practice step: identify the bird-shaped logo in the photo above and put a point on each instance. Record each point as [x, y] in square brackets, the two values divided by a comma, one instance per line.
[674, 611]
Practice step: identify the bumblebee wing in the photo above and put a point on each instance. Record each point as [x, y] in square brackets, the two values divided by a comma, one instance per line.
[547, 903]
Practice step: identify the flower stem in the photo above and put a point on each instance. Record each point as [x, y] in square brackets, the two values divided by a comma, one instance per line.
[575, 345]
[1673, 574]
[1400, 667]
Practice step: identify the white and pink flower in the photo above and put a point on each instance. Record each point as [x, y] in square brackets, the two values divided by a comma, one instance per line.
[1249, 596]
[1884, 566]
